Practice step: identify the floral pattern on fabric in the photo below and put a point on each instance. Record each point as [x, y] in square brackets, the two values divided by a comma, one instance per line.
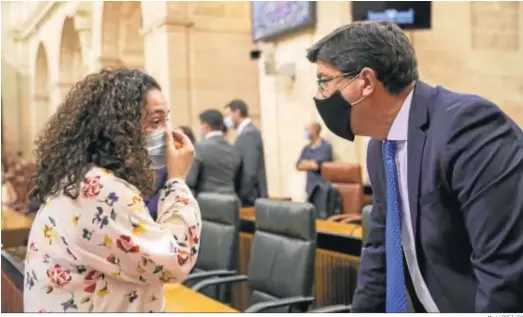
[104, 253]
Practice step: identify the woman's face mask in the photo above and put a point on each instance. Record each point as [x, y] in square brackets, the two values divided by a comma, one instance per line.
[155, 145]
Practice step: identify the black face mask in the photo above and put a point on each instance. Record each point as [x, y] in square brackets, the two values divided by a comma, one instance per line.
[335, 112]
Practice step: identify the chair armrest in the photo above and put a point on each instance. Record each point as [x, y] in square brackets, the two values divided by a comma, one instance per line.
[213, 273]
[344, 218]
[289, 301]
[333, 309]
[218, 281]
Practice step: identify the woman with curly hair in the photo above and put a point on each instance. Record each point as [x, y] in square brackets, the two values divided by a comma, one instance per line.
[93, 245]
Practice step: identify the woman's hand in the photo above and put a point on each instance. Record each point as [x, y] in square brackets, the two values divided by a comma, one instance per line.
[179, 154]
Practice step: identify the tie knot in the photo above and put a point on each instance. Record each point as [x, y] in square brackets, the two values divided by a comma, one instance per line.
[389, 150]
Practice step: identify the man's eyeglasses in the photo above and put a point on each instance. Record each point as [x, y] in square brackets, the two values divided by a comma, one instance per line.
[322, 82]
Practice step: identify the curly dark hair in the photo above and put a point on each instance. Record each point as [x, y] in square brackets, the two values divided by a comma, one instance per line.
[98, 124]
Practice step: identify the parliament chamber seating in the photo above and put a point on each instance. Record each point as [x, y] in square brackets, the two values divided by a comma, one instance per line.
[281, 269]
[219, 245]
[346, 179]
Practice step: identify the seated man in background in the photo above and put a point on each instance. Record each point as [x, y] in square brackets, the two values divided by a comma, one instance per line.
[313, 155]
[217, 163]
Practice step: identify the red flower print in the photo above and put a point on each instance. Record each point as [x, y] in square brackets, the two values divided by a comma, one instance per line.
[90, 281]
[125, 244]
[181, 199]
[91, 187]
[181, 259]
[59, 277]
[112, 259]
[193, 234]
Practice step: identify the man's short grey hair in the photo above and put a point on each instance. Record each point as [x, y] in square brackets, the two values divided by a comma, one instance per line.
[381, 46]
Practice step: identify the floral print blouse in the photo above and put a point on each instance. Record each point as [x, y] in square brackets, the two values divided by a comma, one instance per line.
[104, 253]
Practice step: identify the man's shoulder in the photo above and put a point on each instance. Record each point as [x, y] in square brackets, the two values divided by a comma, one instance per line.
[249, 132]
[450, 106]
[455, 115]
[326, 143]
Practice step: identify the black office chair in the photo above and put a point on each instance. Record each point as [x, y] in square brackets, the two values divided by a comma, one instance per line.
[219, 241]
[281, 268]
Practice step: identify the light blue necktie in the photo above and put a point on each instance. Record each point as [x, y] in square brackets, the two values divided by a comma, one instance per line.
[396, 292]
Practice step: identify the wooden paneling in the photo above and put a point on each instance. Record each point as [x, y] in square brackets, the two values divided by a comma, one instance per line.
[12, 298]
[335, 276]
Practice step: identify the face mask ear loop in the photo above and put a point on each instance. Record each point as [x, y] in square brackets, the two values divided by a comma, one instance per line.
[344, 86]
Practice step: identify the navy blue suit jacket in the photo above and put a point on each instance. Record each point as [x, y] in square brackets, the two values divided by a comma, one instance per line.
[465, 180]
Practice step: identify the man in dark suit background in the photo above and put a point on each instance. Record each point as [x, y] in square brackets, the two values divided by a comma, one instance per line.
[217, 164]
[250, 146]
[447, 173]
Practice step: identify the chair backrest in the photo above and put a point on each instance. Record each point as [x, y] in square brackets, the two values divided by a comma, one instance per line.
[346, 178]
[283, 251]
[326, 200]
[220, 231]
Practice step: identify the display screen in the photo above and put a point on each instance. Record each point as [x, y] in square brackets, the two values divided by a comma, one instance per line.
[271, 19]
[406, 14]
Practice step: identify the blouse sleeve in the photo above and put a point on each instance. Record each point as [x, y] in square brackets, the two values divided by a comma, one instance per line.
[115, 235]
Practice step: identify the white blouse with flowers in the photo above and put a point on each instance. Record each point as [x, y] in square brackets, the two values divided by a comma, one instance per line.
[104, 253]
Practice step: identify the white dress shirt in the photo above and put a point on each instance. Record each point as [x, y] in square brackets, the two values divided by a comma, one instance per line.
[213, 133]
[399, 132]
[242, 125]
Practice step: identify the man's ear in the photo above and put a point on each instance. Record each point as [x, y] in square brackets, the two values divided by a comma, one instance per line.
[368, 81]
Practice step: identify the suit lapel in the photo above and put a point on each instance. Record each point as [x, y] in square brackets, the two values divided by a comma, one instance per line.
[418, 119]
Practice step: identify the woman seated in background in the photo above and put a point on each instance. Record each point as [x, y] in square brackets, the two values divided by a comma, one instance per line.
[93, 245]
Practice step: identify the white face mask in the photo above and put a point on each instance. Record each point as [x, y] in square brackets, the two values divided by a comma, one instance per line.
[306, 135]
[228, 122]
[155, 145]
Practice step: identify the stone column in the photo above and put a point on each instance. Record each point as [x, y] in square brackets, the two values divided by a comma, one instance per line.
[40, 114]
[83, 25]
[57, 93]
[166, 56]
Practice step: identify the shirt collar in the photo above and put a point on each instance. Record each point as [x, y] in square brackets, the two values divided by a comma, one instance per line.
[213, 133]
[242, 125]
[399, 130]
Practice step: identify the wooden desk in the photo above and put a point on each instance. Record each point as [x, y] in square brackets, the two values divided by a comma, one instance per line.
[322, 226]
[14, 220]
[181, 299]
[15, 228]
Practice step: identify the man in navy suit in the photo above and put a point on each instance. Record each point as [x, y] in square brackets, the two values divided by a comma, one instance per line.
[446, 229]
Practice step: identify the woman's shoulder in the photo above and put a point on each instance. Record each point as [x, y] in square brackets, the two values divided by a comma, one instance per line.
[99, 179]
